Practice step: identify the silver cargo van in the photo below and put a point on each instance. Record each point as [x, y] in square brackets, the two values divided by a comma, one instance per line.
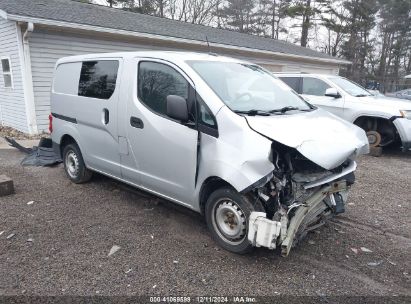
[218, 135]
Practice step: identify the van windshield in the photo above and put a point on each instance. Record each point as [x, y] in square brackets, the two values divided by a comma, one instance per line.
[248, 88]
[350, 87]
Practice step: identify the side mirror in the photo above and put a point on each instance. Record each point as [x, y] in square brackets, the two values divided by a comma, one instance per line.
[332, 92]
[177, 108]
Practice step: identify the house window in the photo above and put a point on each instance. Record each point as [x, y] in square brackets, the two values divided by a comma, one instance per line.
[6, 71]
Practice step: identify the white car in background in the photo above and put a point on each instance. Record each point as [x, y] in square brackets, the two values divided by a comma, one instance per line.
[387, 121]
[404, 94]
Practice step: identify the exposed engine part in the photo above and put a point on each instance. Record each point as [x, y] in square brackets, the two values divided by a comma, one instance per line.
[352, 165]
[336, 202]
[308, 216]
[300, 197]
[263, 232]
[332, 200]
[294, 205]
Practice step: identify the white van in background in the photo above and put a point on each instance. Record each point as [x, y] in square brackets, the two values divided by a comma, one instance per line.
[387, 121]
[255, 159]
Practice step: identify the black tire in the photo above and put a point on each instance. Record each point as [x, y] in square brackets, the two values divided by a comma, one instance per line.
[222, 201]
[74, 164]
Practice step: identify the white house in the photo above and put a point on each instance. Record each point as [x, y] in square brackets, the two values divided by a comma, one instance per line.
[35, 33]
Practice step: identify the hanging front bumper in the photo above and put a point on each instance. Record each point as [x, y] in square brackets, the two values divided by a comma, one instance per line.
[263, 232]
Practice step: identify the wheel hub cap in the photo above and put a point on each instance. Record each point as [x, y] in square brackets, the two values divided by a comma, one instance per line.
[72, 164]
[230, 220]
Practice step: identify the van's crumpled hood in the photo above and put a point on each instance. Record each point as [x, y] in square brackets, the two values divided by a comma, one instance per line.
[320, 136]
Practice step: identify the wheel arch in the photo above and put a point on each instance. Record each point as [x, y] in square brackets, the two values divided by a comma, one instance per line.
[381, 124]
[209, 185]
[65, 140]
[69, 137]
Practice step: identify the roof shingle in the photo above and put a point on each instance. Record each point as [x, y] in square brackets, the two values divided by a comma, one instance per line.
[96, 15]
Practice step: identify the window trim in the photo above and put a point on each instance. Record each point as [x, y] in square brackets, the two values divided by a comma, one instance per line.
[200, 126]
[7, 73]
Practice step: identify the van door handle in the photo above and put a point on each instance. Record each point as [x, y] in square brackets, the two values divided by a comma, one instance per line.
[105, 116]
[136, 122]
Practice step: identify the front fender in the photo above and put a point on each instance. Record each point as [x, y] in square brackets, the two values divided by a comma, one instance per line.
[239, 156]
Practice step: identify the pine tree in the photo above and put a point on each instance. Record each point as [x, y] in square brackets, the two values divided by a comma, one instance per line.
[359, 23]
[140, 6]
[395, 27]
[269, 15]
[240, 15]
[308, 11]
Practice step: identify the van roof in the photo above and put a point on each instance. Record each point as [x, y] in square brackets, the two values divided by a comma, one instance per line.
[165, 55]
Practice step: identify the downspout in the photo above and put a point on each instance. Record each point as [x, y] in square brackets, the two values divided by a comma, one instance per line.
[28, 79]
[30, 29]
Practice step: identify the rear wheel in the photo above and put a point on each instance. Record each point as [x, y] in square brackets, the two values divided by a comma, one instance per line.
[74, 164]
[374, 138]
[227, 213]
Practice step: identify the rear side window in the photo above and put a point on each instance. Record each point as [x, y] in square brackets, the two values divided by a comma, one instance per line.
[156, 81]
[314, 86]
[98, 78]
[66, 78]
[293, 82]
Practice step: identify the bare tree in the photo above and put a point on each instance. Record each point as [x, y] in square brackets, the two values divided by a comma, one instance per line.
[269, 15]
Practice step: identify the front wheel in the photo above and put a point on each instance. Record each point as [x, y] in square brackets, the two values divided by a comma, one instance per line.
[74, 164]
[227, 213]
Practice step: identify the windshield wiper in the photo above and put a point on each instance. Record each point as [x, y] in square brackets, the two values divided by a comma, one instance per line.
[253, 112]
[285, 109]
[361, 95]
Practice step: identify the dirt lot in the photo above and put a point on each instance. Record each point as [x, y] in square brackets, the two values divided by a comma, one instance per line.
[63, 238]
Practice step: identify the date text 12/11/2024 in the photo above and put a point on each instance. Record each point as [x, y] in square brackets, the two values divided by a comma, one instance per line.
[203, 299]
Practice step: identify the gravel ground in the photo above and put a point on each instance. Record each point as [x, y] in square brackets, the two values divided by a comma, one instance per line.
[61, 241]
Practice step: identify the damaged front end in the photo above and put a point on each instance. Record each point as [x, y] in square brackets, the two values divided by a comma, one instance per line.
[298, 196]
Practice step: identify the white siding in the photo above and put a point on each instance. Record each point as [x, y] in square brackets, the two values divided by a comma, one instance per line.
[12, 105]
[273, 67]
[303, 67]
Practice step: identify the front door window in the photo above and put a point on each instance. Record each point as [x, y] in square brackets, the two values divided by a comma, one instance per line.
[314, 86]
[156, 81]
